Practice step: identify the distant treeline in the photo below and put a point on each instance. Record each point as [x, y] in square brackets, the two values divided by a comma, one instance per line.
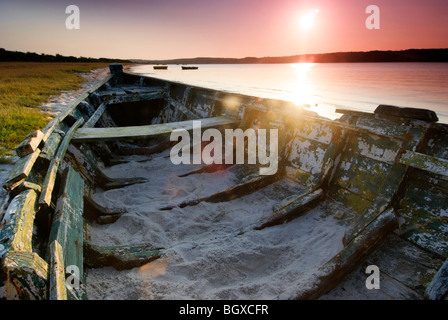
[16, 56]
[410, 55]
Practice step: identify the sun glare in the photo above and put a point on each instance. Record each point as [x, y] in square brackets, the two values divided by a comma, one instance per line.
[306, 21]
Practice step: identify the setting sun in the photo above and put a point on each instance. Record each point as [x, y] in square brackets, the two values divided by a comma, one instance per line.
[306, 21]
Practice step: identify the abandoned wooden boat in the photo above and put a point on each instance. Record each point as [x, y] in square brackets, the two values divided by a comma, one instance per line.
[96, 193]
[160, 67]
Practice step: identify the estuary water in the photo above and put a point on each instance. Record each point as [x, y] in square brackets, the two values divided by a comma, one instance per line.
[324, 86]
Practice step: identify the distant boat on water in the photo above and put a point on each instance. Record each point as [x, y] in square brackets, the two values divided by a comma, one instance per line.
[160, 67]
[189, 68]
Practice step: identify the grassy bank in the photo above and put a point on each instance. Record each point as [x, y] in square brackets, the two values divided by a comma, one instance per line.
[26, 85]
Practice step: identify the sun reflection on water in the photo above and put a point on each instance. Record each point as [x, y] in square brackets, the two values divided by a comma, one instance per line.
[302, 86]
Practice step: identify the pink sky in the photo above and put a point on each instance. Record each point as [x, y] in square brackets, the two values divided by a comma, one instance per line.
[219, 28]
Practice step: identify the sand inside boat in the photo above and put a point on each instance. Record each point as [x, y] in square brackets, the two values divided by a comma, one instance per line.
[204, 255]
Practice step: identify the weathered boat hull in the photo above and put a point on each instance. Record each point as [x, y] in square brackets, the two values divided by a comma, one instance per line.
[367, 176]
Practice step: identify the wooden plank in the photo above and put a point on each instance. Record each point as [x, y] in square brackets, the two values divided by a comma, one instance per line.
[412, 113]
[95, 117]
[353, 112]
[25, 185]
[382, 127]
[369, 146]
[317, 131]
[332, 272]
[390, 288]
[380, 203]
[30, 144]
[352, 201]
[51, 145]
[423, 206]
[99, 84]
[114, 92]
[247, 185]
[307, 155]
[430, 239]
[438, 288]
[103, 134]
[363, 126]
[299, 176]
[88, 166]
[181, 107]
[316, 161]
[67, 228]
[361, 176]
[134, 97]
[48, 130]
[120, 257]
[125, 148]
[141, 90]
[33, 181]
[17, 225]
[100, 214]
[26, 276]
[21, 170]
[58, 289]
[296, 206]
[425, 162]
[50, 178]
[406, 263]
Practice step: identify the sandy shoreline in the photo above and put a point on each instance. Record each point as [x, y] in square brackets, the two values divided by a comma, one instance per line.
[62, 101]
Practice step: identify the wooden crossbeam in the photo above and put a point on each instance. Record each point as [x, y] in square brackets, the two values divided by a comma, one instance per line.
[96, 116]
[134, 97]
[425, 162]
[139, 132]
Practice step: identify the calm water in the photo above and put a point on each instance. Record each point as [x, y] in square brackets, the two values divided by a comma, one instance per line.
[357, 86]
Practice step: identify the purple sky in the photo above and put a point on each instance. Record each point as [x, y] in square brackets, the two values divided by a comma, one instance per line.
[165, 29]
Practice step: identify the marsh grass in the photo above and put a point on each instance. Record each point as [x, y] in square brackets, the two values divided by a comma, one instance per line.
[26, 85]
